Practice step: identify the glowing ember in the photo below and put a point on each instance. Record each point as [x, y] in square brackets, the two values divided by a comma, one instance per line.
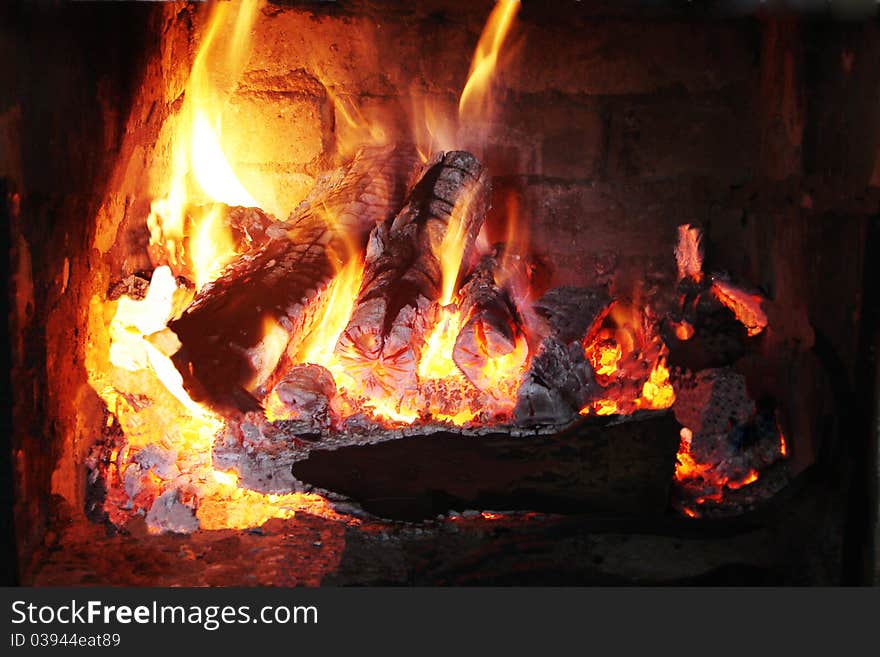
[746, 306]
[628, 361]
[604, 355]
[683, 330]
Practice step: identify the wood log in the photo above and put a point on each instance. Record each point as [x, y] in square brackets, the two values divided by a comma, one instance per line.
[491, 327]
[598, 464]
[240, 326]
[560, 380]
[402, 278]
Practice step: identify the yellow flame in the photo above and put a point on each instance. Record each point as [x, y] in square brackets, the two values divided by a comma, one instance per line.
[318, 348]
[436, 358]
[657, 391]
[354, 129]
[212, 246]
[225, 477]
[605, 407]
[200, 171]
[473, 97]
[211, 169]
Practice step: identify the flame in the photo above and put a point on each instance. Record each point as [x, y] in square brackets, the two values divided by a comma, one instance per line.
[226, 478]
[356, 130]
[127, 356]
[513, 270]
[604, 355]
[341, 294]
[436, 360]
[503, 372]
[657, 392]
[473, 99]
[212, 247]
[707, 482]
[200, 171]
[605, 407]
[686, 467]
[750, 478]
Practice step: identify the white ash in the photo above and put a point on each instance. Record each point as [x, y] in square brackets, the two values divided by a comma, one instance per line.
[163, 462]
[170, 514]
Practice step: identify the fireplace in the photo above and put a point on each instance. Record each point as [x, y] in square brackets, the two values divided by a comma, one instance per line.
[312, 293]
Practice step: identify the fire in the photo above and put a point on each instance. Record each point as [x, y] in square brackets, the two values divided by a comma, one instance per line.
[317, 348]
[750, 478]
[474, 95]
[604, 354]
[168, 437]
[436, 362]
[200, 173]
[657, 392]
[686, 467]
[266, 358]
[620, 353]
[605, 407]
[212, 247]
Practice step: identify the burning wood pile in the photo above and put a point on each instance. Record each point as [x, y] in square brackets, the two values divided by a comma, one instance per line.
[266, 355]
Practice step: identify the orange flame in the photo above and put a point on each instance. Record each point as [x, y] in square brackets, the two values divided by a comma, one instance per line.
[474, 95]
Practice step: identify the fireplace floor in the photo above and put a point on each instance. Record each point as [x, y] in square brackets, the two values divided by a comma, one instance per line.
[778, 544]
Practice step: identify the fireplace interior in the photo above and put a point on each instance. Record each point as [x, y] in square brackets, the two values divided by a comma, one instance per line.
[440, 293]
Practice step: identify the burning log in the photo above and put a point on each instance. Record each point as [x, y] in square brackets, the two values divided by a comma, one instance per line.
[239, 327]
[403, 275]
[560, 380]
[492, 328]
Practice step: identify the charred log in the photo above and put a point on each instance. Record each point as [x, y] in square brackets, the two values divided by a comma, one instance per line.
[560, 379]
[714, 338]
[403, 278]
[240, 326]
[595, 465]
